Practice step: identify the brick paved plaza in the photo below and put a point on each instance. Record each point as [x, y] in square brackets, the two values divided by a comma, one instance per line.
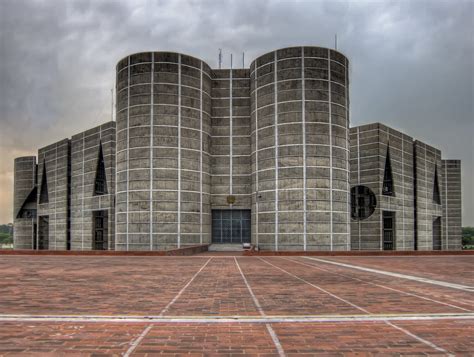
[234, 305]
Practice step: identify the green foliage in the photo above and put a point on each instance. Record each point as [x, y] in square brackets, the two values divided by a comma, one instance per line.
[468, 237]
[6, 233]
[5, 228]
[6, 238]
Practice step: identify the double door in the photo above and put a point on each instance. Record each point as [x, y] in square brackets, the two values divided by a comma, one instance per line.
[231, 226]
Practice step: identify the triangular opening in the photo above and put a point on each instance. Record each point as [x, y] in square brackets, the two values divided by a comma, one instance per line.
[387, 188]
[436, 195]
[28, 208]
[44, 197]
[100, 185]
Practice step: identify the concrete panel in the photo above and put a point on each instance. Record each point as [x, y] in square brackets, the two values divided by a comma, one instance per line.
[24, 202]
[55, 160]
[163, 146]
[85, 200]
[299, 102]
[452, 204]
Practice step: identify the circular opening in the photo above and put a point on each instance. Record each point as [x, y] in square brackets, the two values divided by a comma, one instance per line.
[363, 202]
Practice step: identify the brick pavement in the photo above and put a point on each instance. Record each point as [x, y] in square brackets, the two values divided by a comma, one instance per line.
[218, 290]
[343, 338]
[57, 338]
[451, 296]
[92, 285]
[456, 269]
[284, 287]
[375, 338]
[372, 298]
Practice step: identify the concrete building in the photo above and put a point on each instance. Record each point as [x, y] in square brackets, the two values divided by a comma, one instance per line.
[428, 197]
[382, 180]
[93, 189]
[53, 214]
[260, 155]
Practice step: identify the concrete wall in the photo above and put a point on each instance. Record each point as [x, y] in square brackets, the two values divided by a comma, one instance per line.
[56, 157]
[452, 208]
[84, 159]
[230, 140]
[369, 145]
[163, 153]
[24, 213]
[300, 122]
[427, 158]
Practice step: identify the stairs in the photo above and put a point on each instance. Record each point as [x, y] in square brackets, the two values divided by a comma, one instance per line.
[225, 247]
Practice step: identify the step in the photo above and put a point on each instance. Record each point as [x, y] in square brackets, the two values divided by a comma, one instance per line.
[225, 247]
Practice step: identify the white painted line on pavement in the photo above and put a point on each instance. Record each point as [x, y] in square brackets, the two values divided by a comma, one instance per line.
[139, 339]
[418, 338]
[382, 286]
[236, 318]
[165, 310]
[272, 333]
[399, 275]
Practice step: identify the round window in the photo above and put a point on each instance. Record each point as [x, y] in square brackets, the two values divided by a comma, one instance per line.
[363, 202]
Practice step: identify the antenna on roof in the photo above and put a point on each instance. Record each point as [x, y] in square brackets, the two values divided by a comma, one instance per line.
[231, 61]
[335, 41]
[220, 58]
[243, 59]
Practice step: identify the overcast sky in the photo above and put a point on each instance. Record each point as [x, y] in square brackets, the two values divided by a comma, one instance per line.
[411, 63]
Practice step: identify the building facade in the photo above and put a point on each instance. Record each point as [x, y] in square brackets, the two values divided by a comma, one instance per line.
[382, 181]
[261, 155]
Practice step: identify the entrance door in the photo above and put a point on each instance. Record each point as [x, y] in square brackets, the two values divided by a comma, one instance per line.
[388, 230]
[231, 226]
[100, 230]
[35, 232]
[43, 232]
[437, 234]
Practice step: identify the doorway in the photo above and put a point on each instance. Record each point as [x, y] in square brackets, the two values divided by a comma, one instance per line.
[43, 232]
[231, 226]
[99, 234]
[437, 233]
[388, 230]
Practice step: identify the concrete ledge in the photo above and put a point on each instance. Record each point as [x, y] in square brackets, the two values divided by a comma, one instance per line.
[358, 253]
[191, 250]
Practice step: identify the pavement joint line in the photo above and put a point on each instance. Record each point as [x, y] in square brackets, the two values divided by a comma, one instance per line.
[137, 341]
[254, 298]
[418, 338]
[399, 275]
[238, 319]
[379, 285]
[166, 308]
[317, 287]
[273, 335]
[275, 340]
[428, 343]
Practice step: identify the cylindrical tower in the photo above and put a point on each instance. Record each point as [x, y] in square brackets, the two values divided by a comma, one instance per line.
[24, 203]
[300, 161]
[163, 135]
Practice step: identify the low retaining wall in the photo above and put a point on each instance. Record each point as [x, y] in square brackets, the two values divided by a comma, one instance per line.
[195, 249]
[360, 253]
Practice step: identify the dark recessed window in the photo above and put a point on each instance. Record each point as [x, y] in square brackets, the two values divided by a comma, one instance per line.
[44, 197]
[100, 186]
[363, 202]
[436, 195]
[387, 188]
